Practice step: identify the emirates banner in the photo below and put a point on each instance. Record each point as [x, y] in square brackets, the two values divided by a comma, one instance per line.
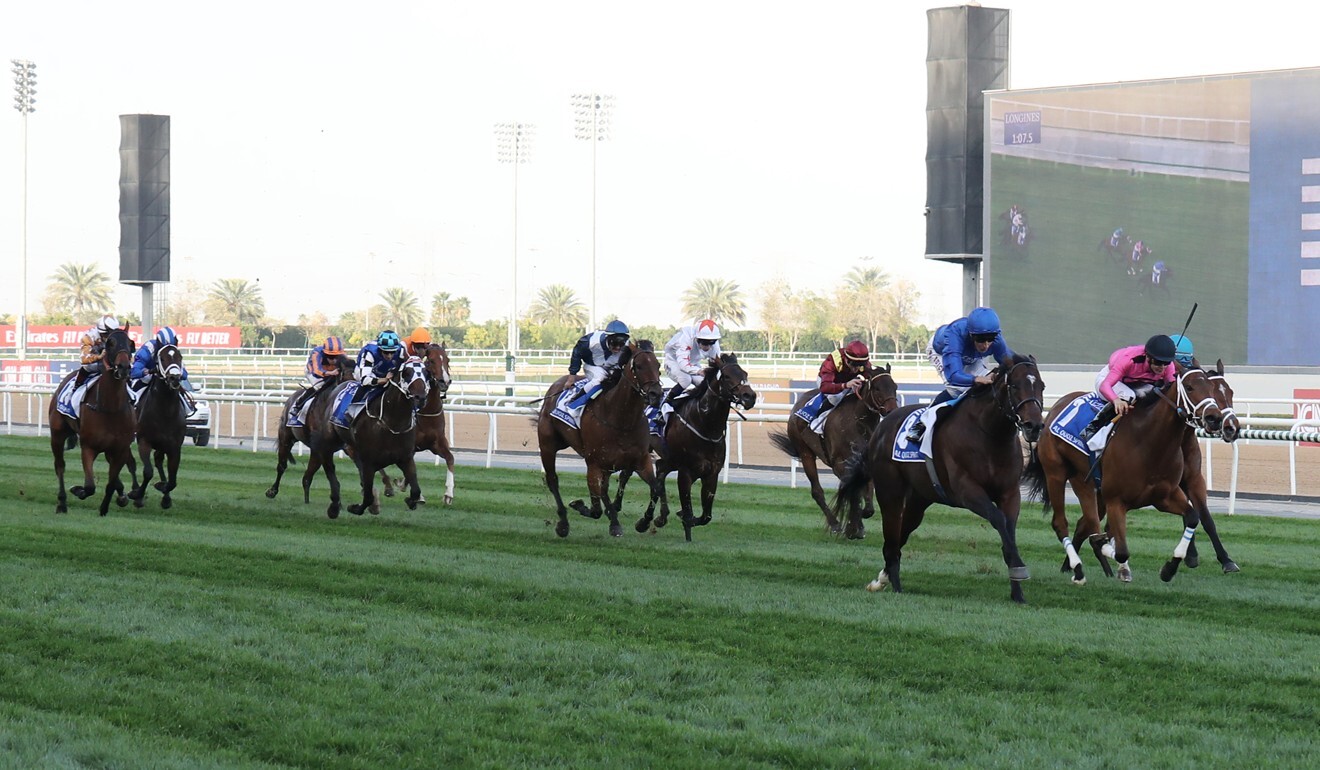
[48, 337]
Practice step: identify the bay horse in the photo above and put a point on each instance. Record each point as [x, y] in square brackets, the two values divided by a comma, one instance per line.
[382, 434]
[1193, 481]
[613, 434]
[106, 425]
[431, 434]
[694, 441]
[850, 426]
[1143, 463]
[287, 436]
[161, 421]
[977, 463]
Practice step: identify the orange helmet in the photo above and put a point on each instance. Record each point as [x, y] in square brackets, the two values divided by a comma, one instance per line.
[419, 336]
[333, 346]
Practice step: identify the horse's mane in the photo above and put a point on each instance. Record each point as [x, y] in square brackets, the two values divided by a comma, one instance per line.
[645, 346]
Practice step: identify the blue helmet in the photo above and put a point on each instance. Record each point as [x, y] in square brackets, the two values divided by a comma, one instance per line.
[389, 342]
[982, 320]
[617, 327]
[1183, 351]
[166, 336]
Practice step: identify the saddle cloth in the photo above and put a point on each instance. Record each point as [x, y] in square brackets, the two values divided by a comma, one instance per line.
[907, 451]
[1075, 417]
[565, 413]
[70, 399]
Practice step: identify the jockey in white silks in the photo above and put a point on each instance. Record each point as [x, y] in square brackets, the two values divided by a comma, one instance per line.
[686, 355]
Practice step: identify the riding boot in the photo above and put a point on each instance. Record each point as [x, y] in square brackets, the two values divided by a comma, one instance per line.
[582, 400]
[674, 392]
[916, 432]
[80, 377]
[1102, 418]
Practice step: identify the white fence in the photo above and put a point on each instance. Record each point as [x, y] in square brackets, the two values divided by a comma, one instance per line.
[25, 406]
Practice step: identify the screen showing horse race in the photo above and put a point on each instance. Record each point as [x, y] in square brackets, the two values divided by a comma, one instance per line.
[1111, 209]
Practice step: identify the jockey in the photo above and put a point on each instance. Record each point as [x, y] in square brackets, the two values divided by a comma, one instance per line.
[959, 351]
[1116, 238]
[841, 373]
[323, 365]
[1183, 352]
[415, 344]
[93, 345]
[686, 354]
[1142, 366]
[144, 361]
[1157, 272]
[596, 354]
[377, 361]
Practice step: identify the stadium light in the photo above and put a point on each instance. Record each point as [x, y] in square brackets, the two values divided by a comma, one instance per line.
[513, 144]
[25, 99]
[591, 123]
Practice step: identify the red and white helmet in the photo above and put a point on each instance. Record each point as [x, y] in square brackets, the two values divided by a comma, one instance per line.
[707, 330]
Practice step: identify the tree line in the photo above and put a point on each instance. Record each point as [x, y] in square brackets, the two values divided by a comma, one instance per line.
[866, 305]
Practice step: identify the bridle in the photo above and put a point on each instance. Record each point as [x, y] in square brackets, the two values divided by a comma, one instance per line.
[870, 388]
[440, 384]
[398, 384]
[1194, 414]
[1013, 410]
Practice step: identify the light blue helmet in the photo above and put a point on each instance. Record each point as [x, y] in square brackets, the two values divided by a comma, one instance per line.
[617, 327]
[982, 320]
[166, 336]
[389, 342]
[1183, 350]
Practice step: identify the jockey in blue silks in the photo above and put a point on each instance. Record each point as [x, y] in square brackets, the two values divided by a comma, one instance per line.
[144, 361]
[595, 355]
[377, 362]
[964, 352]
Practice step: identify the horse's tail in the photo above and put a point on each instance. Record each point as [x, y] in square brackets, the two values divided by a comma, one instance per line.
[853, 484]
[785, 444]
[1033, 475]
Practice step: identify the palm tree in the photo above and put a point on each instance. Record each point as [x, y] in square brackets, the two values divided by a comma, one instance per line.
[558, 305]
[235, 301]
[80, 290]
[862, 297]
[447, 310]
[401, 311]
[866, 279]
[715, 298]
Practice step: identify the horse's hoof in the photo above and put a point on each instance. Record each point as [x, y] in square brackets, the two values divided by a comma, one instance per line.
[421, 499]
[165, 503]
[61, 508]
[389, 490]
[1192, 562]
[1230, 567]
[355, 509]
[1079, 581]
[1018, 574]
[561, 528]
[139, 503]
[160, 486]
[122, 501]
[270, 493]
[855, 534]
[616, 530]
[1124, 573]
[411, 503]
[642, 526]
[374, 509]
[582, 508]
[1169, 569]
[449, 499]
[332, 511]
[82, 493]
[879, 584]
[661, 522]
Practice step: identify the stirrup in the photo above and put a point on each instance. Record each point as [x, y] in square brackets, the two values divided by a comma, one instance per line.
[916, 433]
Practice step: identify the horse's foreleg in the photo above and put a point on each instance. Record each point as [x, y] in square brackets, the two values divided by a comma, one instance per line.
[448, 457]
[685, 512]
[409, 469]
[709, 484]
[618, 493]
[114, 485]
[367, 478]
[1003, 515]
[159, 456]
[603, 498]
[552, 482]
[1191, 520]
[387, 484]
[892, 504]
[139, 491]
[332, 478]
[812, 473]
[169, 474]
[1116, 547]
[313, 465]
[57, 439]
[283, 453]
[595, 478]
[1054, 484]
[1208, 524]
[88, 487]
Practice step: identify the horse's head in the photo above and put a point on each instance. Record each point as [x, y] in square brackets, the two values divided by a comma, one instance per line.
[169, 365]
[1229, 426]
[880, 393]
[1021, 393]
[1197, 398]
[641, 370]
[730, 381]
[413, 380]
[118, 355]
[437, 367]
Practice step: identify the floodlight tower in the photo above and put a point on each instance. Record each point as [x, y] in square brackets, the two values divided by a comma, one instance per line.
[591, 123]
[25, 93]
[513, 142]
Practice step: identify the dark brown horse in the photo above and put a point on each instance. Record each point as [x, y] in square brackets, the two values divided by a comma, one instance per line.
[1143, 464]
[848, 427]
[612, 434]
[161, 420]
[382, 434]
[694, 443]
[431, 420]
[977, 465]
[106, 425]
[287, 436]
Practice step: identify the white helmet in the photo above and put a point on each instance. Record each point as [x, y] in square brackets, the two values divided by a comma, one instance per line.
[707, 330]
[107, 324]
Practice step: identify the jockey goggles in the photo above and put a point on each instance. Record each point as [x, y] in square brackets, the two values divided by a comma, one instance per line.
[984, 337]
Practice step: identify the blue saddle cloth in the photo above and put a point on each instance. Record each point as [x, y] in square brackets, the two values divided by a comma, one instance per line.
[811, 409]
[1075, 417]
[343, 400]
[908, 451]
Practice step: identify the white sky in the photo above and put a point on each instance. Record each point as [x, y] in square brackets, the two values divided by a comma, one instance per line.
[752, 139]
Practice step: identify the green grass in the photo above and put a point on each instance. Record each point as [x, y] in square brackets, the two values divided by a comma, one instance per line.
[238, 631]
[1066, 302]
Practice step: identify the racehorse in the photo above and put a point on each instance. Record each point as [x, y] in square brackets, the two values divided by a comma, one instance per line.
[431, 420]
[694, 443]
[161, 421]
[850, 426]
[1193, 481]
[977, 465]
[1143, 463]
[286, 436]
[382, 434]
[612, 435]
[1118, 253]
[106, 425]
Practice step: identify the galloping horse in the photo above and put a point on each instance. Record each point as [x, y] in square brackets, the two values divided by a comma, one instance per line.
[161, 421]
[977, 465]
[431, 420]
[849, 427]
[1117, 253]
[286, 436]
[694, 443]
[1143, 464]
[612, 434]
[1193, 481]
[106, 426]
[382, 434]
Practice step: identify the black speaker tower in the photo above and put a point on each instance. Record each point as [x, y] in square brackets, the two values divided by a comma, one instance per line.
[144, 199]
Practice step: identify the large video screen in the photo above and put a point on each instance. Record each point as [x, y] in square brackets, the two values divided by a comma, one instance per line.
[1110, 210]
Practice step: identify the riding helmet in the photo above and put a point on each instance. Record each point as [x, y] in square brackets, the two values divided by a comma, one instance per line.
[166, 336]
[107, 324]
[1161, 348]
[333, 346]
[857, 351]
[1183, 350]
[982, 320]
[388, 342]
[708, 330]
